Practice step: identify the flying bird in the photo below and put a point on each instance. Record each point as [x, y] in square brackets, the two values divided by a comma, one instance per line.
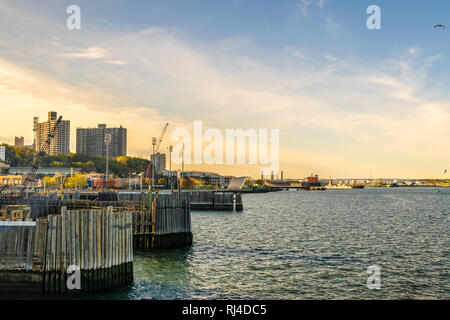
[439, 26]
[445, 171]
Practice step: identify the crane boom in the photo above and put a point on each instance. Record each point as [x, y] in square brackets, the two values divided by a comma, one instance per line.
[161, 138]
[157, 146]
[38, 158]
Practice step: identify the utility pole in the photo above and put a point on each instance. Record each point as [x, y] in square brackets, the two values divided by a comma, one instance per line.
[108, 138]
[140, 181]
[170, 168]
[154, 142]
[170, 159]
[182, 162]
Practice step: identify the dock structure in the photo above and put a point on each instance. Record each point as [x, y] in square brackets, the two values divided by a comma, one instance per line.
[198, 200]
[159, 221]
[42, 205]
[95, 247]
[167, 226]
[213, 201]
[44, 240]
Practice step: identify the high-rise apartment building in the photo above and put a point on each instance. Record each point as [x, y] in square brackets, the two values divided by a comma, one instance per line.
[91, 141]
[159, 162]
[60, 144]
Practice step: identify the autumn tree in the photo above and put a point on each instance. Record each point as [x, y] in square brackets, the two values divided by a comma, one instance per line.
[76, 181]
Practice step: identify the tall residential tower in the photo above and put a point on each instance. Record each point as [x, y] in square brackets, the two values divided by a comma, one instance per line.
[60, 144]
[91, 141]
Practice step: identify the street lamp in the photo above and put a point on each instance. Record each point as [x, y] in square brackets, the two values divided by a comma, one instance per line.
[170, 168]
[108, 138]
[140, 180]
[170, 159]
[154, 142]
[182, 162]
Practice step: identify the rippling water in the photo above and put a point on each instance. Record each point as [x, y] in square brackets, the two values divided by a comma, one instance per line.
[308, 245]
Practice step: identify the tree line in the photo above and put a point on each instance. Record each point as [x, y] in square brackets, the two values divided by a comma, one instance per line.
[120, 166]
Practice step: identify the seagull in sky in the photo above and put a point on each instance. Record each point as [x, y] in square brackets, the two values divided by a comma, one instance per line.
[439, 26]
[445, 171]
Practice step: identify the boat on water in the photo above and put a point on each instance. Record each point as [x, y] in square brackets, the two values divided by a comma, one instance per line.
[344, 186]
[337, 187]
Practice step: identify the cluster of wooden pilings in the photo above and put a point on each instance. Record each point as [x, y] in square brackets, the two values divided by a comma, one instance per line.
[79, 250]
[167, 226]
[42, 205]
[214, 201]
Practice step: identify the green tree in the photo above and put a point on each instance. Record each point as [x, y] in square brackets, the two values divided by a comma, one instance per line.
[50, 181]
[186, 183]
[77, 181]
[260, 182]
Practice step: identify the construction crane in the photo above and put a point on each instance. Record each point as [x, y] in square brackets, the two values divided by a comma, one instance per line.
[2, 188]
[38, 158]
[156, 144]
[163, 133]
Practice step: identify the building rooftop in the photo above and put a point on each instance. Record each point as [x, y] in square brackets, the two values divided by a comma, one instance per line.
[4, 165]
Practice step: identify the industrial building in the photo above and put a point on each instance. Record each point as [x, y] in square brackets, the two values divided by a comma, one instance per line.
[210, 178]
[60, 144]
[4, 168]
[91, 141]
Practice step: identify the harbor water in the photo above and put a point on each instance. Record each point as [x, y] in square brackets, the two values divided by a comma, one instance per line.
[307, 245]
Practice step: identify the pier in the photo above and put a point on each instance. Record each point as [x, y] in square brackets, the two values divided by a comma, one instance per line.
[42, 238]
[43, 204]
[35, 256]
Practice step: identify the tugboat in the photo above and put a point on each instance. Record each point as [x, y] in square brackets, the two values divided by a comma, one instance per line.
[312, 183]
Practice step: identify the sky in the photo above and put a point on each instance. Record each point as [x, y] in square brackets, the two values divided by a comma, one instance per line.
[348, 101]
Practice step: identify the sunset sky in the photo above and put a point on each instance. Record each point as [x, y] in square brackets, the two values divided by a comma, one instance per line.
[348, 101]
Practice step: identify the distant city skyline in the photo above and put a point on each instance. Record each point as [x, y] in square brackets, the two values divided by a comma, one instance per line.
[349, 102]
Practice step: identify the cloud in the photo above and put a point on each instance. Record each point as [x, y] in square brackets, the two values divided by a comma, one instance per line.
[321, 3]
[305, 4]
[89, 53]
[415, 51]
[152, 31]
[117, 62]
[330, 57]
[298, 54]
[354, 112]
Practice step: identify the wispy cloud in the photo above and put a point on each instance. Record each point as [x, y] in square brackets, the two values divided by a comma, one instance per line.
[322, 108]
[117, 62]
[331, 57]
[298, 54]
[89, 53]
[305, 4]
